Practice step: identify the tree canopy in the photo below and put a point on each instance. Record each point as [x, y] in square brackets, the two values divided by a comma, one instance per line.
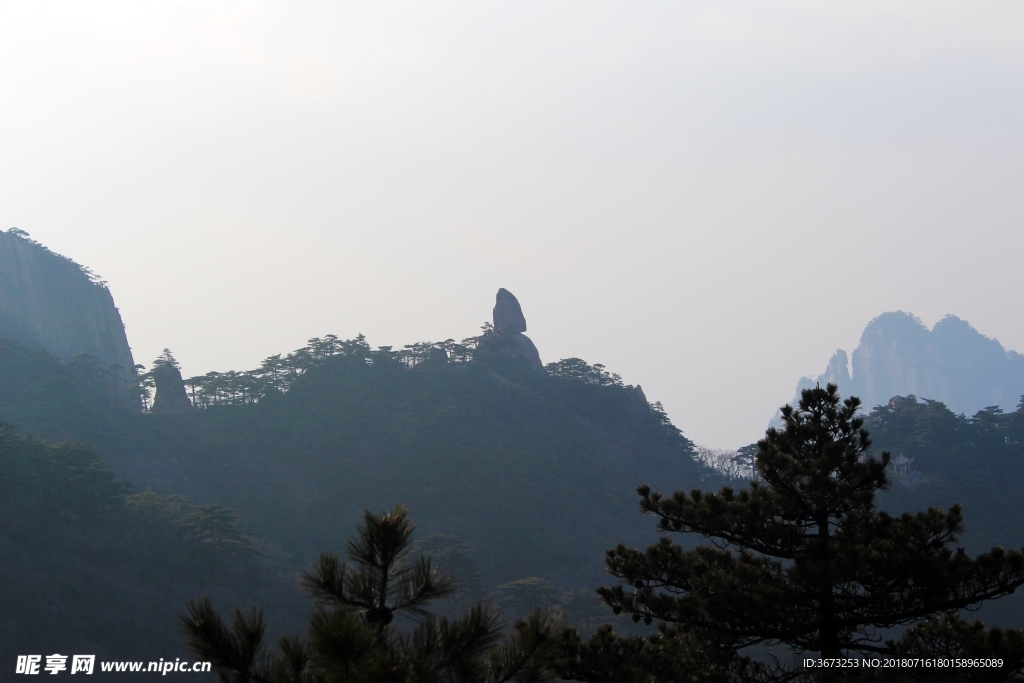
[353, 637]
[90, 564]
[802, 558]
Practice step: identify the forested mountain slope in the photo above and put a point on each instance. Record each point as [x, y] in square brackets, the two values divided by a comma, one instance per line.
[91, 567]
[536, 472]
[941, 458]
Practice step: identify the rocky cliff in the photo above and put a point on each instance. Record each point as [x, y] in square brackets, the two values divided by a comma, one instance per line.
[953, 363]
[49, 301]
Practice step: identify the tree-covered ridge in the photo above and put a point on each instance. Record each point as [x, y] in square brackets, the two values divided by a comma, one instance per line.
[976, 460]
[89, 564]
[277, 373]
[933, 448]
[515, 463]
[922, 428]
[593, 391]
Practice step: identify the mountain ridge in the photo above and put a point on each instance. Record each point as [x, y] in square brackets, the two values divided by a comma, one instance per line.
[953, 363]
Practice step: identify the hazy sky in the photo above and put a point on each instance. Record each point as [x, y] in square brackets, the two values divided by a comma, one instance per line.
[707, 197]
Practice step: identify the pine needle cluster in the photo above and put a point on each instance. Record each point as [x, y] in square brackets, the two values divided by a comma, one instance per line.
[799, 564]
[352, 635]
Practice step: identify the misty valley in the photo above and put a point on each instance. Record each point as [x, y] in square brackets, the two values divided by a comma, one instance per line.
[462, 511]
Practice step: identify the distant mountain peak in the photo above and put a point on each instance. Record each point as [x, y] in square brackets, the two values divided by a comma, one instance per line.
[953, 363]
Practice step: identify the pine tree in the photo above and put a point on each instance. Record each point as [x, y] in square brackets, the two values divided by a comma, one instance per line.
[802, 557]
[352, 635]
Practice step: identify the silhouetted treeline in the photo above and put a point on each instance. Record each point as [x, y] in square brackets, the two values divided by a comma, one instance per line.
[277, 373]
[939, 456]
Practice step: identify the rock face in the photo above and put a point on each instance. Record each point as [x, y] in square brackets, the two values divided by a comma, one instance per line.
[508, 314]
[509, 325]
[49, 301]
[838, 370]
[952, 363]
[170, 391]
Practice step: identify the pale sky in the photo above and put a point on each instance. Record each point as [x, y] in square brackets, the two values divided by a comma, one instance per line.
[707, 197]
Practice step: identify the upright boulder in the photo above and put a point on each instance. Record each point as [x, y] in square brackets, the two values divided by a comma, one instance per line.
[509, 325]
[508, 314]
